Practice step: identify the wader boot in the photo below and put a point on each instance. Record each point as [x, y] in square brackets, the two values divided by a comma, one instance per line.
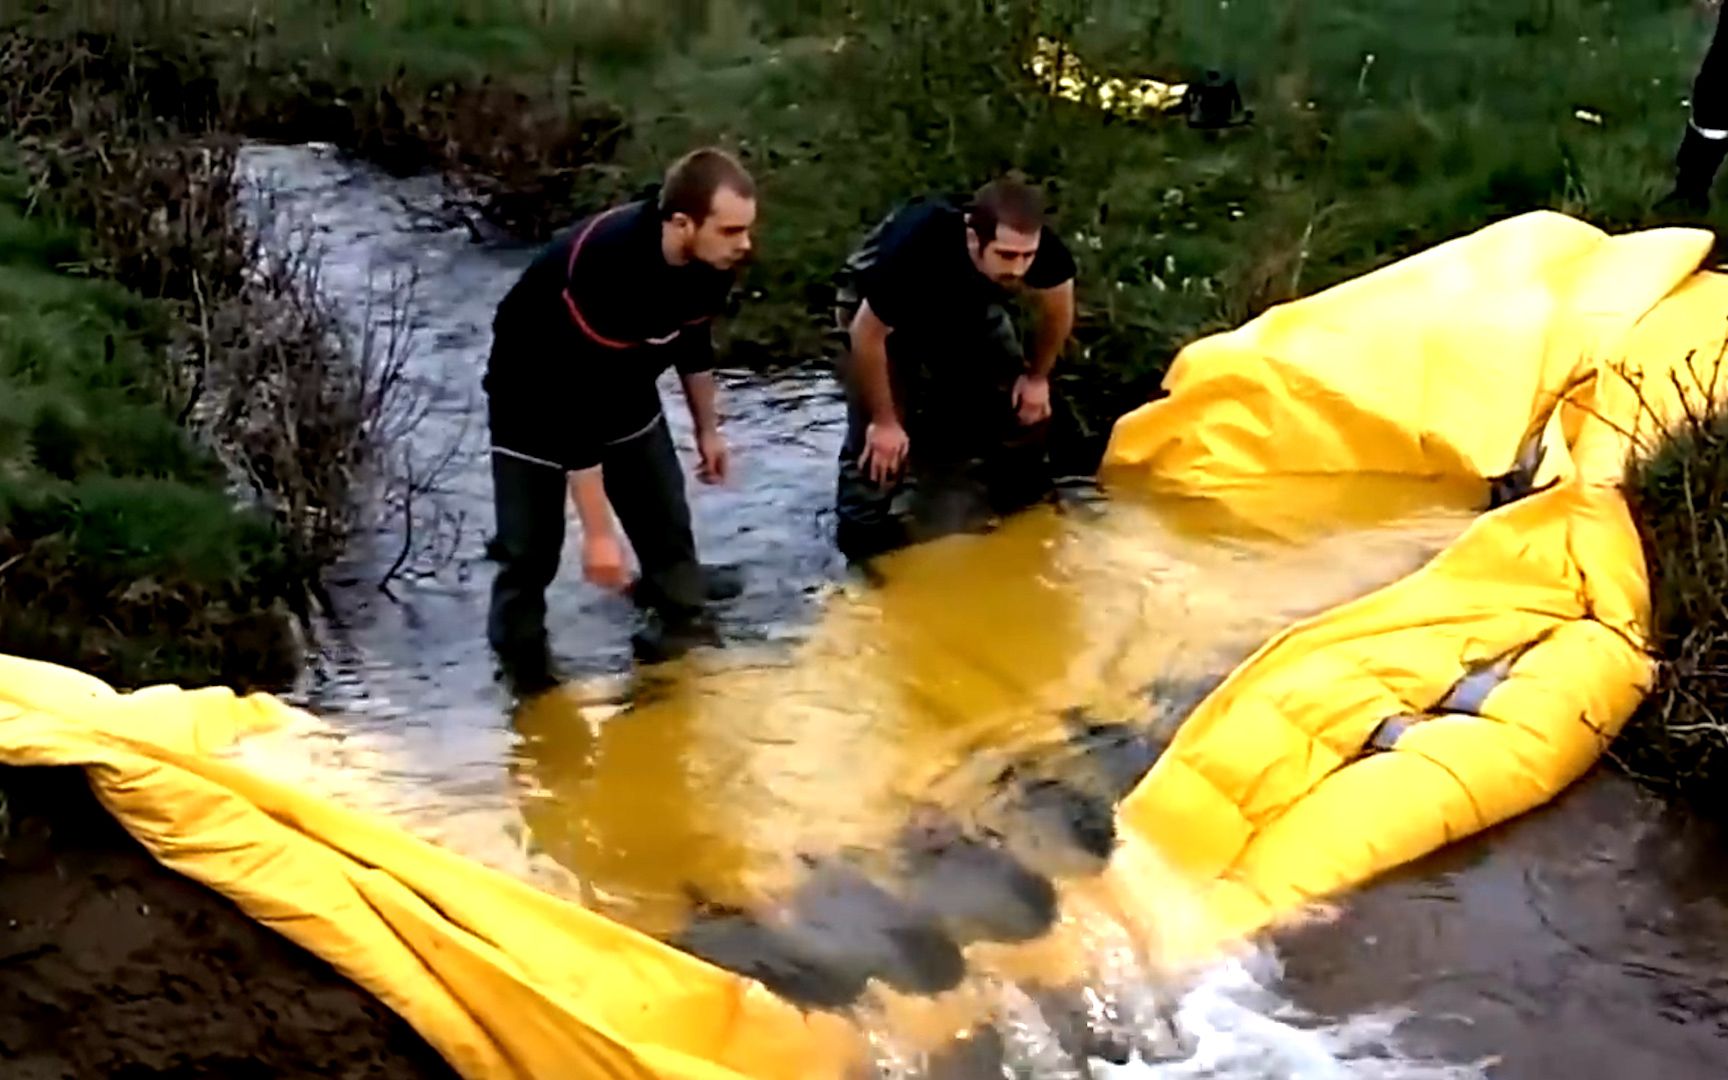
[1695, 167]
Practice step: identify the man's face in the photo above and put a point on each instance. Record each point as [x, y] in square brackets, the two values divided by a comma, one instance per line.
[723, 239]
[1007, 257]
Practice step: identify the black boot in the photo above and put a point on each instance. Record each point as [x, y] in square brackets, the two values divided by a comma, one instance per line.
[526, 668]
[1695, 167]
[721, 583]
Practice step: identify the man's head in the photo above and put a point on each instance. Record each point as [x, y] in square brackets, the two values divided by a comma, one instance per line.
[707, 207]
[1004, 223]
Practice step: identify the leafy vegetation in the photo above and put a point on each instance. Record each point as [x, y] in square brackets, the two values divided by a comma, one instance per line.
[119, 549]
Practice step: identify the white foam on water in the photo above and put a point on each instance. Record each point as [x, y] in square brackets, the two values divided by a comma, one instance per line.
[1230, 1025]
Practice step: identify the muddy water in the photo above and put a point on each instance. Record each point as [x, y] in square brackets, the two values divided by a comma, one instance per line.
[1587, 940]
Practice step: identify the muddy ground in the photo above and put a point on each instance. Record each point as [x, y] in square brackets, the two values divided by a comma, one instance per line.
[113, 966]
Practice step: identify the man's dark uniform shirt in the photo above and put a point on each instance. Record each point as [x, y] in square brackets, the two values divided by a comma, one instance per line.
[582, 337]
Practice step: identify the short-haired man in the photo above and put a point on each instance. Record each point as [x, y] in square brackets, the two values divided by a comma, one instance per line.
[946, 412]
[574, 407]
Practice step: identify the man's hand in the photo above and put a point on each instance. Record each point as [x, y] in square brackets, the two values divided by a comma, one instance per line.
[603, 561]
[715, 465]
[885, 447]
[1032, 398]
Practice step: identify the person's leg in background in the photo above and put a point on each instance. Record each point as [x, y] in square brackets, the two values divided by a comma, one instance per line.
[1705, 143]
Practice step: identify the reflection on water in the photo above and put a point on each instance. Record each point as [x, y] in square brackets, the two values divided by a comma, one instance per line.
[971, 657]
[869, 774]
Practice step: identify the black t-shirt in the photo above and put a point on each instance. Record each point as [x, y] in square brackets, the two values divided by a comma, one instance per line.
[581, 338]
[917, 273]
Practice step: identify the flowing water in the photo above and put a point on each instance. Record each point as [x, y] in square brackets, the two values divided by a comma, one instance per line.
[1016, 683]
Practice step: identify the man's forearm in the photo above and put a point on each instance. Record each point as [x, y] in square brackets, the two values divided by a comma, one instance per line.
[702, 395]
[593, 509]
[1055, 323]
[870, 366]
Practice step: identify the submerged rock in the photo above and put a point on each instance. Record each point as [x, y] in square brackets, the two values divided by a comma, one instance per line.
[978, 1054]
[736, 941]
[1079, 1038]
[1056, 828]
[974, 888]
[1116, 755]
[856, 926]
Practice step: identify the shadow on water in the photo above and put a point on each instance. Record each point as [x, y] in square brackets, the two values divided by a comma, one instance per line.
[896, 798]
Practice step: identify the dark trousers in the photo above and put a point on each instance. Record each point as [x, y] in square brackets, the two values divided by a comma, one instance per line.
[970, 458]
[1700, 157]
[1710, 85]
[645, 485]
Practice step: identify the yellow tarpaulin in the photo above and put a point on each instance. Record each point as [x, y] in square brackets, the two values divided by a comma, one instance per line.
[1440, 365]
[1444, 369]
[1065, 75]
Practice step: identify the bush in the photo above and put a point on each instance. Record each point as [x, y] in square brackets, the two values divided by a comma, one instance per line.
[1678, 740]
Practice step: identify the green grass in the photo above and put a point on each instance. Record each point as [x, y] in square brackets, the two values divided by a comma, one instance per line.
[122, 553]
[1466, 113]
[1382, 127]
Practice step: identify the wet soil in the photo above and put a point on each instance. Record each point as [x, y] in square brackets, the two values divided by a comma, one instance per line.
[112, 965]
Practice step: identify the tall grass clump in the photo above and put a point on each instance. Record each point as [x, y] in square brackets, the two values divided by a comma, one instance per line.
[1677, 742]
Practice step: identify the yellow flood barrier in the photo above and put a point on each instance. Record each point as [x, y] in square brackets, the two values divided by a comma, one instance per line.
[1440, 370]
[1066, 76]
[1540, 328]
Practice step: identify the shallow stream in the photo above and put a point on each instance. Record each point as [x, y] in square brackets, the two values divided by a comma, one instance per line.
[843, 715]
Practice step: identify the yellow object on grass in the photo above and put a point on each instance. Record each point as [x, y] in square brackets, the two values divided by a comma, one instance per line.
[1068, 78]
[1432, 374]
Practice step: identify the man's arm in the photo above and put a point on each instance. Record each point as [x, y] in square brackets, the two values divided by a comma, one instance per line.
[1055, 322]
[701, 394]
[870, 365]
[885, 442]
[602, 553]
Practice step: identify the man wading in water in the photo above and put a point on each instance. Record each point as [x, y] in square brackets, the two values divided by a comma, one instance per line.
[578, 345]
[946, 414]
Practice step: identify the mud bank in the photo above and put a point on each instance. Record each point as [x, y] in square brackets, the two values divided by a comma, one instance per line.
[115, 966]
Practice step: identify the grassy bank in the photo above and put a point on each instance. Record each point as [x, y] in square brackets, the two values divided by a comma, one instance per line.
[120, 551]
[164, 372]
[1380, 128]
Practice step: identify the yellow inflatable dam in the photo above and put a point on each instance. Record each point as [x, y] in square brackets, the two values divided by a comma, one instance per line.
[1496, 384]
